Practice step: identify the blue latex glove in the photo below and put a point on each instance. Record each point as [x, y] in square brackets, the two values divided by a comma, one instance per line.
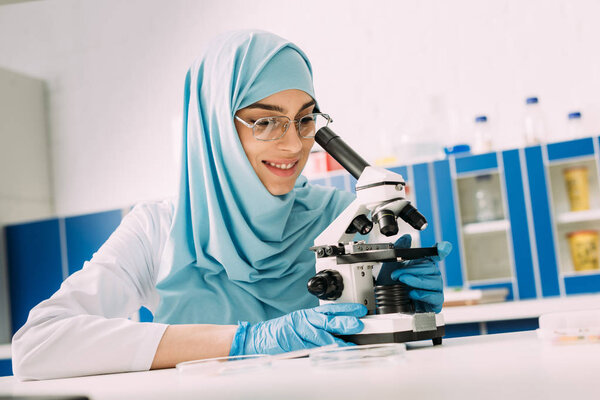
[302, 329]
[422, 275]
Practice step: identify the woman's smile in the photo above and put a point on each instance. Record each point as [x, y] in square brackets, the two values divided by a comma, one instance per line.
[283, 168]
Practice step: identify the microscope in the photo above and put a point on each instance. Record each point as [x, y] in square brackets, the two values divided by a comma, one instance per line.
[346, 269]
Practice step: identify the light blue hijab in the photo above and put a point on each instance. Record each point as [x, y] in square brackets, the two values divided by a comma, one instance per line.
[235, 252]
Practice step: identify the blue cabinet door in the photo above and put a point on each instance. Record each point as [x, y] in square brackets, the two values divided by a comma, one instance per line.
[34, 266]
[449, 231]
[423, 195]
[519, 225]
[542, 221]
[5, 367]
[86, 233]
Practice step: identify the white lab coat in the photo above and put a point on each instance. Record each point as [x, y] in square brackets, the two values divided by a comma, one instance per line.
[84, 329]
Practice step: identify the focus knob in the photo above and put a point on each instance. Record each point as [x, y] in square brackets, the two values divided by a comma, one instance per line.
[326, 285]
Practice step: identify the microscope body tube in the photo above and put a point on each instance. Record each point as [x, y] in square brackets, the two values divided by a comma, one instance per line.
[341, 152]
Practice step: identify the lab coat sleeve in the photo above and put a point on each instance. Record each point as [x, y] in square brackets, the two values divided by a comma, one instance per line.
[84, 329]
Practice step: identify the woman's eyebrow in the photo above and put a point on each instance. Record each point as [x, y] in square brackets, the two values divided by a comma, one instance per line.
[308, 104]
[266, 107]
[272, 107]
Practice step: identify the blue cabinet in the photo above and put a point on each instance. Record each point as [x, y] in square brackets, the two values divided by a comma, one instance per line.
[559, 158]
[42, 254]
[86, 233]
[531, 228]
[5, 367]
[35, 266]
[520, 242]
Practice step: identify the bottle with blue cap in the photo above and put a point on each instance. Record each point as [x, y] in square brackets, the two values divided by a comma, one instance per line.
[534, 122]
[483, 136]
[574, 125]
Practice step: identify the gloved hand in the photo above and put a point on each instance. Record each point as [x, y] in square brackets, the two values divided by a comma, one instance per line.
[422, 275]
[302, 329]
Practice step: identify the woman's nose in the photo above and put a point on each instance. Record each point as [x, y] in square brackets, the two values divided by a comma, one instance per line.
[291, 141]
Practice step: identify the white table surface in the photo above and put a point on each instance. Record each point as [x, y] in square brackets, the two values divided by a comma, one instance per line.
[503, 366]
[519, 309]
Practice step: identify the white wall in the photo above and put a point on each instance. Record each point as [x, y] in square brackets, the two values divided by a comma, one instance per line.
[383, 69]
[25, 176]
[25, 179]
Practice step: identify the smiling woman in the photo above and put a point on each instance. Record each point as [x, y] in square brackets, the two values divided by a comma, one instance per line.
[224, 267]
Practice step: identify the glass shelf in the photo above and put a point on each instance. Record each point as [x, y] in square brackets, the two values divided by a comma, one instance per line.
[478, 228]
[572, 217]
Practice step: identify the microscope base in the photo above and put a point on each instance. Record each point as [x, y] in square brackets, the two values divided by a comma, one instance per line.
[399, 328]
[396, 337]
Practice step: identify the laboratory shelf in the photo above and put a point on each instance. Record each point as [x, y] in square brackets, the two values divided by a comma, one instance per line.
[519, 309]
[455, 298]
[580, 273]
[578, 216]
[477, 228]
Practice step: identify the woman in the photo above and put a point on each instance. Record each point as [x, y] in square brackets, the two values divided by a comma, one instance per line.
[224, 268]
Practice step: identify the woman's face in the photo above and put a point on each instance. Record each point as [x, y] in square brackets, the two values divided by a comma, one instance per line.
[271, 160]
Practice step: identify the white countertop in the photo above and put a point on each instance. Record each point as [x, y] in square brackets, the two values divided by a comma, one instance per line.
[491, 312]
[503, 366]
[519, 309]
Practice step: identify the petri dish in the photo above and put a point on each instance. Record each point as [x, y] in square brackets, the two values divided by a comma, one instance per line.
[359, 356]
[224, 365]
[570, 327]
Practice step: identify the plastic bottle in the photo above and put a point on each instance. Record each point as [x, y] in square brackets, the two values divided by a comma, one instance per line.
[574, 125]
[483, 136]
[534, 122]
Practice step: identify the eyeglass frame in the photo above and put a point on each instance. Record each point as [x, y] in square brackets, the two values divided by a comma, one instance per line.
[287, 126]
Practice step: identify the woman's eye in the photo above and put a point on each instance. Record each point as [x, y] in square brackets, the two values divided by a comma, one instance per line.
[264, 122]
[308, 119]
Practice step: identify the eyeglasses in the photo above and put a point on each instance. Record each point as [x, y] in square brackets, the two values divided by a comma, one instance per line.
[273, 128]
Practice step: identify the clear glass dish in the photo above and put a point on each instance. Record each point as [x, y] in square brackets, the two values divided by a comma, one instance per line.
[359, 356]
[570, 327]
[224, 365]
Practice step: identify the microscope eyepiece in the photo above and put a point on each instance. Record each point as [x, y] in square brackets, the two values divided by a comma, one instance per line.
[340, 151]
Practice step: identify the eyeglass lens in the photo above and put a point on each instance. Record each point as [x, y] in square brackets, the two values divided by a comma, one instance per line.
[269, 128]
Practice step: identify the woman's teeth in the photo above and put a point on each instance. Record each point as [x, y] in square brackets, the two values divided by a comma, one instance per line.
[281, 166]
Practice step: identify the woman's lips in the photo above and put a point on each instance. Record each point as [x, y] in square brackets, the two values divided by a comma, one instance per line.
[283, 168]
